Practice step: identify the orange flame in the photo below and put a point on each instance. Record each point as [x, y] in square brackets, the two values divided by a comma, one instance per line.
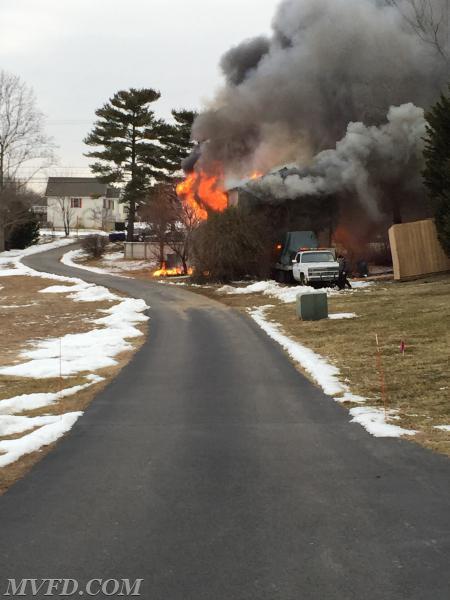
[203, 193]
[165, 272]
[256, 175]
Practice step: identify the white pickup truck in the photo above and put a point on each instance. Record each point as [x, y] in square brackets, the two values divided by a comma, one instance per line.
[315, 267]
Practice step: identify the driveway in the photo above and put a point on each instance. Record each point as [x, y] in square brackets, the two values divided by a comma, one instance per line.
[212, 469]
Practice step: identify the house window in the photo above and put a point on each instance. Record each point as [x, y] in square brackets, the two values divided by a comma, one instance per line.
[108, 204]
[75, 203]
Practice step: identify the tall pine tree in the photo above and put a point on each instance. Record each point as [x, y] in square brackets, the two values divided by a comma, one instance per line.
[437, 166]
[130, 146]
[178, 144]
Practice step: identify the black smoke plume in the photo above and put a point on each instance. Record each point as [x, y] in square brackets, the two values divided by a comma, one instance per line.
[331, 71]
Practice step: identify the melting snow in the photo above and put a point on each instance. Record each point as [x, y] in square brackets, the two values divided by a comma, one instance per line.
[25, 402]
[12, 450]
[272, 289]
[10, 260]
[87, 351]
[285, 293]
[112, 263]
[374, 421]
[68, 259]
[82, 292]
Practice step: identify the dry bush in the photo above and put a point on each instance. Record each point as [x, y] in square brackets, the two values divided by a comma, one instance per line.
[231, 245]
[95, 245]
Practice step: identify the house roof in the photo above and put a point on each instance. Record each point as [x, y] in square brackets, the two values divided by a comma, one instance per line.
[79, 187]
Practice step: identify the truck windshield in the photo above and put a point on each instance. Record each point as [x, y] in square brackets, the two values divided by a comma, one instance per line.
[316, 257]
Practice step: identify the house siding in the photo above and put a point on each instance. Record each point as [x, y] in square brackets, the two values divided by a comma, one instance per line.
[91, 215]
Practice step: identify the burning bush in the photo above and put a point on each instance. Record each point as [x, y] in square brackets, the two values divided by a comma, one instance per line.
[95, 245]
[231, 245]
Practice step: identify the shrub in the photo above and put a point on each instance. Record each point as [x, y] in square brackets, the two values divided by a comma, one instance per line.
[231, 245]
[95, 245]
[25, 234]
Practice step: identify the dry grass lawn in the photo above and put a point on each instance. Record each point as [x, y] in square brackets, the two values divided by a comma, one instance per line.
[27, 316]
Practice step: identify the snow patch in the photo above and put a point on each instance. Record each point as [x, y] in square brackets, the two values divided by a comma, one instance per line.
[82, 292]
[374, 421]
[76, 234]
[112, 263]
[349, 397]
[342, 316]
[442, 427]
[80, 352]
[12, 450]
[25, 402]
[284, 293]
[89, 351]
[68, 259]
[10, 264]
[10, 425]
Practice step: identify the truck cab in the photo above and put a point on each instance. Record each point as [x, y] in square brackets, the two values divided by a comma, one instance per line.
[315, 267]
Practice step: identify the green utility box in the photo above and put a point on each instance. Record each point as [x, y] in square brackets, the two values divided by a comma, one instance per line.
[312, 306]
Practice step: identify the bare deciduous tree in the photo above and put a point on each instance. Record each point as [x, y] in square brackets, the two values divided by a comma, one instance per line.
[64, 207]
[186, 222]
[158, 211]
[22, 137]
[429, 20]
[22, 142]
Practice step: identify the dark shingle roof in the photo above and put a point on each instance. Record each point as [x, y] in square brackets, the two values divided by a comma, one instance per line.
[79, 186]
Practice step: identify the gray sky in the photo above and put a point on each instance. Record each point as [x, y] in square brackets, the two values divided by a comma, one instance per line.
[77, 53]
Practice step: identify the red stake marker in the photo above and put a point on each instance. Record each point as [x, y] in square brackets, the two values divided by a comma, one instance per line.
[381, 374]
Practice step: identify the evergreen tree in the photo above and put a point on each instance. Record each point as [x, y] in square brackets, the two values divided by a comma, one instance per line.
[130, 146]
[24, 234]
[437, 166]
[178, 144]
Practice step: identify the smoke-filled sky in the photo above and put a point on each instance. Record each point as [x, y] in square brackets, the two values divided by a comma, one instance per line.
[339, 89]
[325, 64]
[77, 53]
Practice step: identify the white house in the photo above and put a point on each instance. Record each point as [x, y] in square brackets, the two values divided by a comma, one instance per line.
[83, 203]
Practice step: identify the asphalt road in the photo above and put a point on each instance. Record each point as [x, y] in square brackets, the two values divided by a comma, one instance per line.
[213, 470]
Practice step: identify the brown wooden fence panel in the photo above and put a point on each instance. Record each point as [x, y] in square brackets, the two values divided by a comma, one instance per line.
[416, 250]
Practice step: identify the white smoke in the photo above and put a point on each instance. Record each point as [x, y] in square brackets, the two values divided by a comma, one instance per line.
[328, 63]
[367, 160]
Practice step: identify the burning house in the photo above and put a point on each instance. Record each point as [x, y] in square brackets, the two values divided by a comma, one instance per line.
[337, 93]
